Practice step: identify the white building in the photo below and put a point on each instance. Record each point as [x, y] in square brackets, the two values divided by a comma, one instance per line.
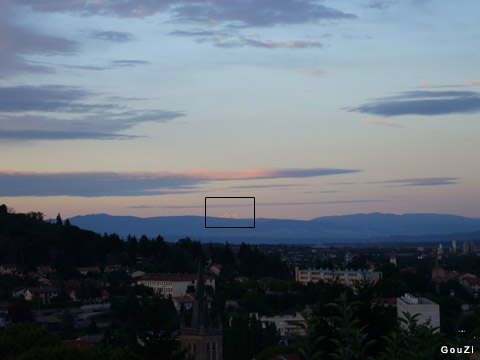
[285, 324]
[8, 269]
[346, 277]
[41, 294]
[173, 284]
[428, 311]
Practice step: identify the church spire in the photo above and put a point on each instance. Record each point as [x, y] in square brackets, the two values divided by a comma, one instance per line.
[200, 317]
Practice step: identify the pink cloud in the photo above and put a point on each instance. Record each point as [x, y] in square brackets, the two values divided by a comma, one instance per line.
[284, 44]
[424, 82]
[314, 73]
[383, 123]
[394, 125]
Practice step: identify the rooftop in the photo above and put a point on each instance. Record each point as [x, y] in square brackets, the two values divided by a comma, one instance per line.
[173, 277]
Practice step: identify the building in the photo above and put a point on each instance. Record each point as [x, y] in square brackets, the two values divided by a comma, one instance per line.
[287, 325]
[41, 294]
[174, 285]
[468, 247]
[88, 270]
[428, 311]
[454, 246]
[201, 338]
[346, 277]
[8, 269]
[216, 269]
[188, 300]
[393, 258]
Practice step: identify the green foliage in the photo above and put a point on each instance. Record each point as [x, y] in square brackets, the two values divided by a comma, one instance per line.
[244, 337]
[351, 340]
[19, 338]
[309, 345]
[412, 342]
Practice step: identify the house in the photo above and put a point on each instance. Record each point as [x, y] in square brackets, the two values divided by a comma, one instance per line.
[88, 270]
[216, 269]
[46, 270]
[188, 300]
[472, 284]
[173, 284]
[72, 294]
[285, 324]
[19, 291]
[8, 269]
[42, 294]
[135, 274]
[114, 267]
[241, 278]
[385, 302]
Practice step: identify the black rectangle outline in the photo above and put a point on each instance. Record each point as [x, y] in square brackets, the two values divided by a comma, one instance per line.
[230, 227]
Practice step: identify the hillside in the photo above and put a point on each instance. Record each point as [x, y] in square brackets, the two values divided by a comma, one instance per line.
[347, 227]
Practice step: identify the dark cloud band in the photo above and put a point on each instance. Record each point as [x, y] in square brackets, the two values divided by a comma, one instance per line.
[96, 184]
[423, 103]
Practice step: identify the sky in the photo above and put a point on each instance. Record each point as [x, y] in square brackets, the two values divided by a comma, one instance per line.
[146, 107]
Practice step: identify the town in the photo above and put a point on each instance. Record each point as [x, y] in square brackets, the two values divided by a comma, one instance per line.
[78, 293]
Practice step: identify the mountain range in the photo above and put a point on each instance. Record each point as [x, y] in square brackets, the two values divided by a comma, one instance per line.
[342, 228]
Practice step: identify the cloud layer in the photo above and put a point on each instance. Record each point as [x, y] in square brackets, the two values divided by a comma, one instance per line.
[423, 103]
[239, 12]
[431, 181]
[95, 184]
[62, 112]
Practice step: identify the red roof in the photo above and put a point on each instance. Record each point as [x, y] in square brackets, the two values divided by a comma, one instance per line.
[80, 344]
[390, 301]
[89, 269]
[173, 277]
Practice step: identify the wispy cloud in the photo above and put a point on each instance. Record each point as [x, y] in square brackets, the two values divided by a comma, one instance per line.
[425, 82]
[114, 36]
[423, 103]
[381, 4]
[299, 203]
[129, 63]
[95, 184]
[60, 135]
[18, 42]
[395, 125]
[268, 44]
[68, 113]
[314, 73]
[265, 186]
[431, 181]
[383, 123]
[111, 65]
[46, 98]
[239, 12]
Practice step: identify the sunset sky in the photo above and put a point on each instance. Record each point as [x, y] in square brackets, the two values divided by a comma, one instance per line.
[144, 108]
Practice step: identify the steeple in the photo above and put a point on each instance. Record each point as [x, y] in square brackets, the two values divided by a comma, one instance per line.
[202, 340]
[200, 319]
